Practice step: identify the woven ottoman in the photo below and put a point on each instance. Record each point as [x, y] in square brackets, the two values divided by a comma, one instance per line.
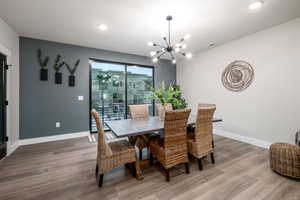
[285, 159]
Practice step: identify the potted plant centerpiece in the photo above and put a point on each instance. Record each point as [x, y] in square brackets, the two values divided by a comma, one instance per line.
[172, 95]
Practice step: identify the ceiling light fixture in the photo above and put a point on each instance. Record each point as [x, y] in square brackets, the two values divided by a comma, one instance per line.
[256, 5]
[102, 27]
[169, 47]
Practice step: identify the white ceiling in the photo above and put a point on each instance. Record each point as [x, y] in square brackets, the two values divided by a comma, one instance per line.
[132, 23]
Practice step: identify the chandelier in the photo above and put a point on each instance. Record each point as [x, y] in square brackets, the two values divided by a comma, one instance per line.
[169, 48]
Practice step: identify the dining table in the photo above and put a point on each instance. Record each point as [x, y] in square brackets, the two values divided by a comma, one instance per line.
[138, 127]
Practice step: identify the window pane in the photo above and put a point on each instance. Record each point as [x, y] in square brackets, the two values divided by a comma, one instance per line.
[108, 91]
[139, 80]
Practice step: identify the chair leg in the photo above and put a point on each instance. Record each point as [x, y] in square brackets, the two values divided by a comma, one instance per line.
[97, 169]
[167, 175]
[187, 168]
[133, 169]
[212, 157]
[141, 154]
[213, 144]
[167, 171]
[151, 159]
[100, 181]
[200, 164]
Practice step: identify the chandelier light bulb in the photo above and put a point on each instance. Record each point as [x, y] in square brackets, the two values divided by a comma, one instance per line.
[155, 60]
[150, 44]
[153, 53]
[177, 45]
[184, 46]
[174, 61]
[163, 49]
[189, 55]
[177, 49]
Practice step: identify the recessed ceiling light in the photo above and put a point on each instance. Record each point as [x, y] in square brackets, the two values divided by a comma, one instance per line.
[102, 27]
[256, 5]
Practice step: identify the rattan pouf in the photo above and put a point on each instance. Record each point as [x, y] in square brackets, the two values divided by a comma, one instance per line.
[285, 159]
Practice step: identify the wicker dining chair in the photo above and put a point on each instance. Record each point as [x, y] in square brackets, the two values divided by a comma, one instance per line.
[172, 149]
[113, 154]
[200, 141]
[139, 112]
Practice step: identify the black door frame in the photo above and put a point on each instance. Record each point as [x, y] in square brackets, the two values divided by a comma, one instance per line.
[3, 145]
[126, 65]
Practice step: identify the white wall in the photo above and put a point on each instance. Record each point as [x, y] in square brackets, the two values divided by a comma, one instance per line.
[9, 45]
[269, 109]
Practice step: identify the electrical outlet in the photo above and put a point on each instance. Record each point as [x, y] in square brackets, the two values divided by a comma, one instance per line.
[57, 124]
[80, 98]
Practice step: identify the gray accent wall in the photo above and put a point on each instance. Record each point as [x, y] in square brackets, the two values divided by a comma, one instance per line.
[43, 103]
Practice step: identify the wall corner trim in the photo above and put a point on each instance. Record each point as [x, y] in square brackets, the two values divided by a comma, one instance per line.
[11, 148]
[245, 139]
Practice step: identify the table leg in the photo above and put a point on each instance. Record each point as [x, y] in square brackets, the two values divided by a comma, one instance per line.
[140, 142]
[139, 174]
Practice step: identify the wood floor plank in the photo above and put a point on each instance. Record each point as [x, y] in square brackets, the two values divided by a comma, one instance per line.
[64, 170]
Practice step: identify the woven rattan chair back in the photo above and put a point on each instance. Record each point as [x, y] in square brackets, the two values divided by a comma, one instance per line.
[103, 148]
[175, 137]
[204, 127]
[139, 111]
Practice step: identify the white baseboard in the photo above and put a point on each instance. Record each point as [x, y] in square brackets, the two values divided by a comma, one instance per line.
[53, 138]
[12, 148]
[223, 133]
[249, 140]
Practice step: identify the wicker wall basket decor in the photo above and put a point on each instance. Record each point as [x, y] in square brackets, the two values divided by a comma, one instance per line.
[238, 76]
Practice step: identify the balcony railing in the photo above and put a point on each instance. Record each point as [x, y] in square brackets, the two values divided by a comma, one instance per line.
[109, 112]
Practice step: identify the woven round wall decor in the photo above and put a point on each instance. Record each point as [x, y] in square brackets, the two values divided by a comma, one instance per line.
[238, 76]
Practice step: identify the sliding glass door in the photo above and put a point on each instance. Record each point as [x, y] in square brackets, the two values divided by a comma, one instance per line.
[114, 86]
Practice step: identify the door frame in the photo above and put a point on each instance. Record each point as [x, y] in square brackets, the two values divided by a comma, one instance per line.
[3, 105]
[126, 64]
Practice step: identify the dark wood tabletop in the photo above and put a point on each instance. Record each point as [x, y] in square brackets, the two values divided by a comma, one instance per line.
[134, 127]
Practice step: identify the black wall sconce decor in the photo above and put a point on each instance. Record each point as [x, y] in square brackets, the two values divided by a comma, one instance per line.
[43, 63]
[72, 72]
[57, 66]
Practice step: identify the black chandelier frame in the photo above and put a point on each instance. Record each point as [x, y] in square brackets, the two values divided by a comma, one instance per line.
[169, 47]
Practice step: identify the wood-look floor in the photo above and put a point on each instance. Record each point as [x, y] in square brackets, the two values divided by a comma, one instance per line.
[65, 170]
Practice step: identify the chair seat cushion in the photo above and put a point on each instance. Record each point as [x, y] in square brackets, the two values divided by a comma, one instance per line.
[121, 146]
[122, 152]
